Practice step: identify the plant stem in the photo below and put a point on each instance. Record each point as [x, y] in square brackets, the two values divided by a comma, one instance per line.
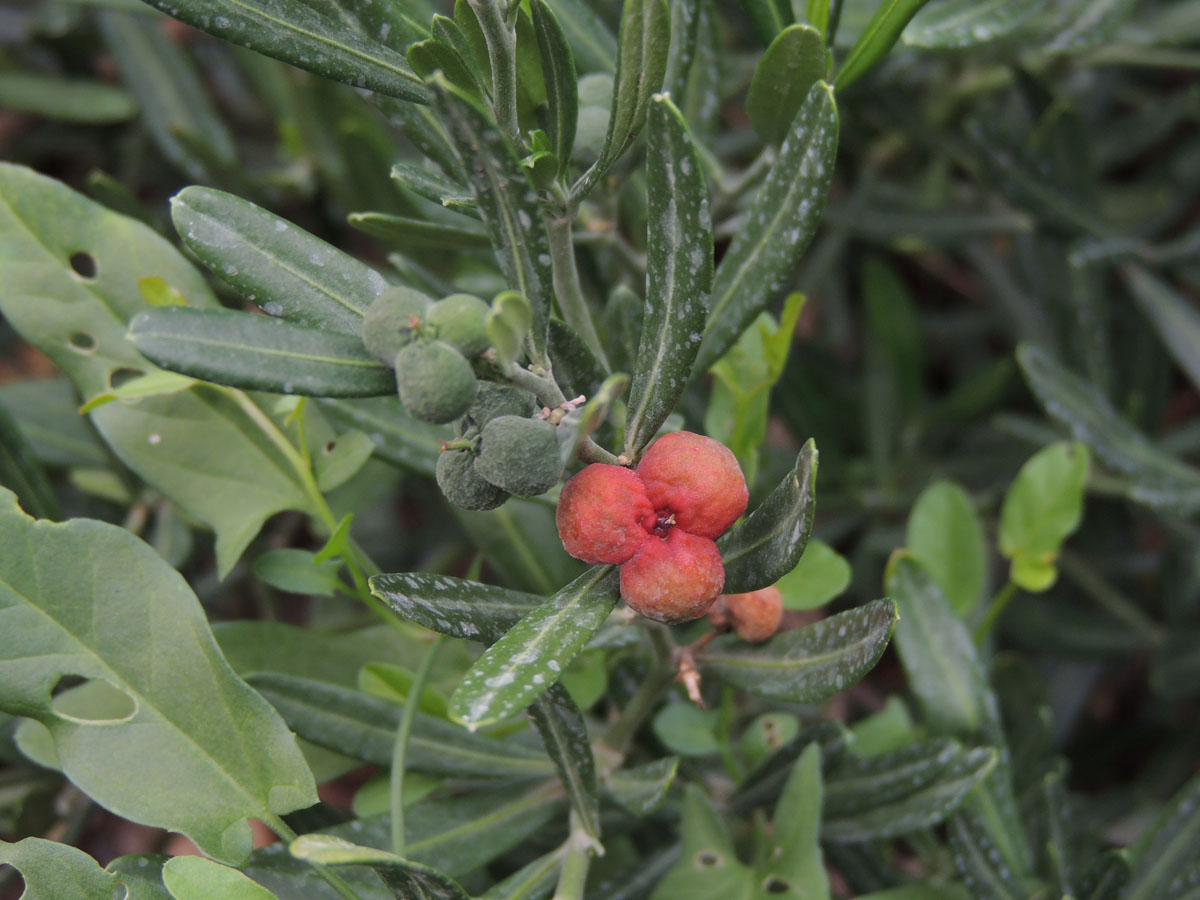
[502, 50]
[400, 748]
[642, 703]
[572, 879]
[566, 282]
[1003, 596]
[335, 881]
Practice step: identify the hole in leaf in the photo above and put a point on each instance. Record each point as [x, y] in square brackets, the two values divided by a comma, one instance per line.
[709, 859]
[84, 265]
[775, 885]
[123, 375]
[82, 342]
[88, 700]
[328, 448]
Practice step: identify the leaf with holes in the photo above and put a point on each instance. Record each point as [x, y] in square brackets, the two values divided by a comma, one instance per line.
[454, 606]
[522, 665]
[259, 353]
[679, 256]
[206, 751]
[54, 871]
[807, 665]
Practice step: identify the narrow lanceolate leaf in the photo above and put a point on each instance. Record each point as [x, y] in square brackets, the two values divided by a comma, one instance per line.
[506, 198]
[562, 84]
[259, 353]
[522, 665]
[565, 737]
[1107, 878]
[1168, 849]
[592, 41]
[679, 267]
[685, 39]
[964, 23]
[206, 751]
[795, 61]
[294, 32]
[284, 269]
[980, 863]
[21, 471]
[778, 227]
[769, 543]
[810, 664]
[882, 31]
[405, 878]
[364, 727]
[454, 606]
[645, 44]
[535, 880]
[1155, 478]
[943, 670]
[410, 234]
[890, 795]
[435, 187]
[1174, 318]
[65, 100]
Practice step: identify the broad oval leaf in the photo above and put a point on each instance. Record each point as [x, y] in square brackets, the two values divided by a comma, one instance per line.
[945, 534]
[779, 225]
[405, 878]
[206, 751]
[454, 606]
[197, 878]
[1155, 477]
[795, 61]
[281, 267]
[522, 665]
[562, 83]
[296, 33]
[259, 353]
[52, 870]
[882, 31]
[810, 664]
[679, 268]
[770, 542]
[895, 793]
[821, 575]
[565, 737]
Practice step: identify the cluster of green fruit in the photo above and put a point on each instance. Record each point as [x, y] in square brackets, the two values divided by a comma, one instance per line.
[438, 350]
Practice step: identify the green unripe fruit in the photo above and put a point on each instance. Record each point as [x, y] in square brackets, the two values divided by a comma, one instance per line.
[462, 486]
[389, 323]
[436, 382]
[493, 400]
[460, 320]
[519, 455]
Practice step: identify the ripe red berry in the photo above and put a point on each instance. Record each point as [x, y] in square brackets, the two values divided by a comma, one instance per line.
[756, 615]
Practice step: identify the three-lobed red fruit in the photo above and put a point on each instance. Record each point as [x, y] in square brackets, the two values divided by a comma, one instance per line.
[658, 523]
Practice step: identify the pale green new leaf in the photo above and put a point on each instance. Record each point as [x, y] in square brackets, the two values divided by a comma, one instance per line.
[197, 878]
[821, 575]
[946, 537]
[522, 665]
[205, 751]
[679, 267]
[794, 62]
[797, 828]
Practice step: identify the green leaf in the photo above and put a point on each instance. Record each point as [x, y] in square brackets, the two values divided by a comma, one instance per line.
[433, 186]
[644, 44]
[795, 61]
[522, 665]
[943, 670]
[520, 543]
[176, 108]
[708, 867]
[508, 323]
[885, 26]
[889, 729]
[562, 83]
[894, 366]
[797, 829]
[565, 737]
[405, 878]
[534, 881]
[1167, 849]
[397, 436]
[268, 260]
[296, 572]
[679, 267]
[454, 606]
[1042, 508]
[47, 410]
[769, 17]
[197, 878]
[688, 730]
[980, 863]
[507, 200]
[206, 751]
[1155, 478]
[411, 234]
[432, 55]
[1107, 878]
[807, 665]
[54, 871]
[582, 421]
[21, 472]
[770, 542]
[778, 226]
[821, 575]
[895, 793]
[968, 23]
[946, 537]
[364, 727]
[65, 99]
[593, 43]
[259, 353]
[642, 789]
[295, 33]
[1173, 317]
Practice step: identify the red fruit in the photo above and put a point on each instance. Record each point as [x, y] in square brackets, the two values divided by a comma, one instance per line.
[696, 478]
[674, 579]
[755, 615]
[658, 523]
[602, 513]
